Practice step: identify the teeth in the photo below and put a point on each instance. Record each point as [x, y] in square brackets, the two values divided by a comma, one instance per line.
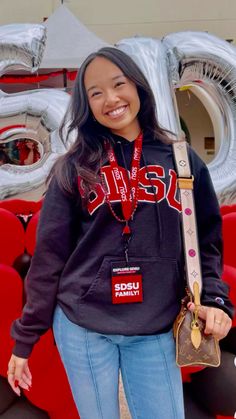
[117, 111]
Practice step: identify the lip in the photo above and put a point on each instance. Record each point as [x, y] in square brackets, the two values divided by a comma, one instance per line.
[115, 115]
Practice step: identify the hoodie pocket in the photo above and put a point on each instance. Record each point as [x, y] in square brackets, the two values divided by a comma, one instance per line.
[162, 286]
[100, 288]
[159, 277]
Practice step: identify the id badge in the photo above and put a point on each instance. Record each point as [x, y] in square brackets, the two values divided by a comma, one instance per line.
[126, 284]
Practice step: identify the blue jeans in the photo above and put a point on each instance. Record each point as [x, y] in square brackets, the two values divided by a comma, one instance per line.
[152, 381]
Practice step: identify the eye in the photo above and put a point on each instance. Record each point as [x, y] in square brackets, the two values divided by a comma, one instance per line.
[95, 93]
[119, 83]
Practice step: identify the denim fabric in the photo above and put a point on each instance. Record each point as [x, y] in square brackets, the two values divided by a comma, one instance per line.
[152, 381]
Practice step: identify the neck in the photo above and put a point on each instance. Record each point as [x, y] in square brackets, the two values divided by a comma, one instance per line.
[127, 133]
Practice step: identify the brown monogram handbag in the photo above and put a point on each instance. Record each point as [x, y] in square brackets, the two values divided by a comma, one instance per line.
[193, 347]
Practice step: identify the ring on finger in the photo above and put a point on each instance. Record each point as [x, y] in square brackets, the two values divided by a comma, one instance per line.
[218, 322]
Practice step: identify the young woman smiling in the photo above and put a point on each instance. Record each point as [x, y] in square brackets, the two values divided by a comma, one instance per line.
[108, 270]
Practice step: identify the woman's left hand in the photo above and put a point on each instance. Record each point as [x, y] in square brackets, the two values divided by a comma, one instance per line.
[218, 323]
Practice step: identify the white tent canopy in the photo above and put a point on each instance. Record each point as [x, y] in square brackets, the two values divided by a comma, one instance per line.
[69, 42]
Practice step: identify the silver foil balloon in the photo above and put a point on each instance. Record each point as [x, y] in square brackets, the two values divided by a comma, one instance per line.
[32, 115]
[207, 65]
[21, 47]
[150, 55]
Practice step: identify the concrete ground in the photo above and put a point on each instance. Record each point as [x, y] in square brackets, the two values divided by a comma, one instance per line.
[124, 411]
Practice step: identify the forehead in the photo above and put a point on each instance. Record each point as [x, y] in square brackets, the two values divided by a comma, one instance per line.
[99, 71]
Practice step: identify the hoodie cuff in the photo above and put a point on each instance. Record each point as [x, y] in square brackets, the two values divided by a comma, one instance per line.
[22, 350]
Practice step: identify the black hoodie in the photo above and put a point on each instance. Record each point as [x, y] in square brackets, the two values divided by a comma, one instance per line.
[77, 246]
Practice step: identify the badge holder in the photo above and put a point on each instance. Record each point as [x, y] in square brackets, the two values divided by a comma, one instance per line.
[126, 278]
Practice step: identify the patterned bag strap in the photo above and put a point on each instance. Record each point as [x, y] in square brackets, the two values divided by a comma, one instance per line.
[189, 225]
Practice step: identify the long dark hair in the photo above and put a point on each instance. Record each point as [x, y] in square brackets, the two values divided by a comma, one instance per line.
[87, 153]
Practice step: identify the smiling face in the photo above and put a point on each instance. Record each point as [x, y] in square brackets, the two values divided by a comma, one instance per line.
[112, 97]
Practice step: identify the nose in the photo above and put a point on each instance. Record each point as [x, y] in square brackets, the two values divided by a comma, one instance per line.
[111, 97]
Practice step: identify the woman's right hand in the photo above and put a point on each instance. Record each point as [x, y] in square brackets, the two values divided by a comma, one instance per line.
[19, 374]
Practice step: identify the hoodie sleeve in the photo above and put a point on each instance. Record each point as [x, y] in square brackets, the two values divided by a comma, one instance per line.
[56, 235]
[215, 291]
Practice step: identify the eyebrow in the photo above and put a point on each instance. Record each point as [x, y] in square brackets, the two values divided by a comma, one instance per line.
[113, 78]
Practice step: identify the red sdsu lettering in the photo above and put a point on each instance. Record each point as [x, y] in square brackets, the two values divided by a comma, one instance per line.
[146, 188]
[112, 188]
[171, 194]
[97, 196]
[146, 193]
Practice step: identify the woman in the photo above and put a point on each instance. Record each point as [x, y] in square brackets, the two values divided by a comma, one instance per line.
[108, 267]
[28, 152]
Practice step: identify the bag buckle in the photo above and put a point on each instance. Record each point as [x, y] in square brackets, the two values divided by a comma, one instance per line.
[185, 183]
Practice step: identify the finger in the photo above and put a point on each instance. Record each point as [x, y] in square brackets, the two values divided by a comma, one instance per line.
[218, 331]
[18, 374]
[210, 320]
[222, 326]
[11, 376]
[202, 312]
[27, 372]
[218, 322]
[191, 306]
[26, 379]
[207, 314]
[23, 385]
[11, 381]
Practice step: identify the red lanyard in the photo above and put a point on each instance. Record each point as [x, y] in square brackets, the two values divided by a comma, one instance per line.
[128, 194]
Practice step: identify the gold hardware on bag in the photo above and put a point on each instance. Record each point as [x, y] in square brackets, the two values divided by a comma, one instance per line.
[185, 183]
[196, 293]
[196, 336]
